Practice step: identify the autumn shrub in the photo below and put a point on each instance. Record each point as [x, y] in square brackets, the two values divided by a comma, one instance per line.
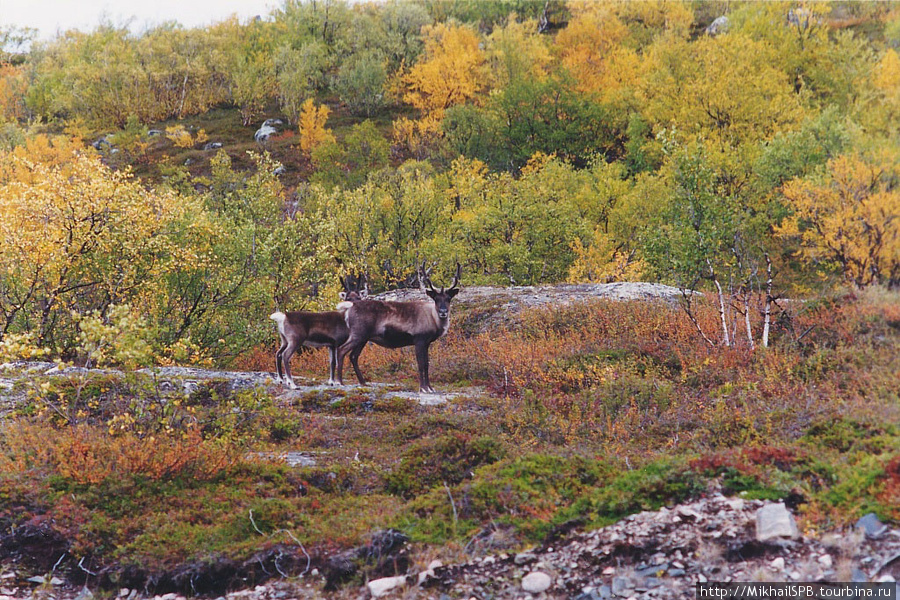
[447, 460]
[90, 455]
[661, 483]
[889, 496]
[754, 472]
[526, 492]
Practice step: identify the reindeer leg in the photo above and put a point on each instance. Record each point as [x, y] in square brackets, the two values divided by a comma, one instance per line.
[278, 363]
[332, 364]
[286, 358]
[422, 360]
[341, 353]
[354, 360]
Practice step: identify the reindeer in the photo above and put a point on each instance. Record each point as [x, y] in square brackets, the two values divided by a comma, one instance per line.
[315, 330]
[399, 324]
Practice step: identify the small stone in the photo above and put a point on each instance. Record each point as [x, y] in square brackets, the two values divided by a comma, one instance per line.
[536, 582]
[609, 571]
[84, 594]
[688, 514]
[778, 564]
[774, 521]
[380, 587]
[314, 573]
[701, 578]
[124, 592]
[621, 586]
[523, 558]
[826, 561]
[857, 575]
[736, 504]
[871, 525]
[677, 573]
[653, 570]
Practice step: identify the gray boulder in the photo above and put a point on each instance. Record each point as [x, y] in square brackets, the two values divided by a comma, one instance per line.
[871, 526]
[263, 134]
[774, 522]
[720, 25]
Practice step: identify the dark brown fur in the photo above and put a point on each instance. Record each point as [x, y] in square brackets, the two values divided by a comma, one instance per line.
[396, 325]
[313, 330]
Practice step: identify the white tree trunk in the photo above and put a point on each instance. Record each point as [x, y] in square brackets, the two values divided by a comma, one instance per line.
[767, 316]
[747, 318]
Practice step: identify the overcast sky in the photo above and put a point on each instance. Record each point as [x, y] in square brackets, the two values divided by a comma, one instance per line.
[52, 16]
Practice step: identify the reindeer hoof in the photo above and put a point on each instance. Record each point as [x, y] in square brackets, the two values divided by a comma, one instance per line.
[290, 383]
[428, 390]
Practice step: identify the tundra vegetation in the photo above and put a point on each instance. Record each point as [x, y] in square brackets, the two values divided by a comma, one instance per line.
[533, 142]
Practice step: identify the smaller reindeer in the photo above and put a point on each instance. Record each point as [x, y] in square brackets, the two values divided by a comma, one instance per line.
[314, 330]
[399, 324]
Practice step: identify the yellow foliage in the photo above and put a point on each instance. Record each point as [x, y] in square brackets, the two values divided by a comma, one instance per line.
[725, 88]
[851, 219]
[182, 138]
[600, 262]
[20, 346]
[882, 112]
[587, 46]
[417, 136]
[887, 73]
[121, 339]
[451, 71]
[599, 45]
[517, 51]
[71, 227]
[313, 132]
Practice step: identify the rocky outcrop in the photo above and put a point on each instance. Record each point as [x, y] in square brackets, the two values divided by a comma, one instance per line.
[529, 296]
[664, 554]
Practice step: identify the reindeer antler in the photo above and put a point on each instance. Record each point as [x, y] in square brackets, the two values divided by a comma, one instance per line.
[456, 277]
[424, 279]
[364, 292]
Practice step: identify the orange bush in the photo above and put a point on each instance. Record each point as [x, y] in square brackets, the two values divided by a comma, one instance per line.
[87, 454]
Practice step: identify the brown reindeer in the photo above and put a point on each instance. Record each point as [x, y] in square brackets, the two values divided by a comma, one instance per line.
[399, 324]
[314, 330]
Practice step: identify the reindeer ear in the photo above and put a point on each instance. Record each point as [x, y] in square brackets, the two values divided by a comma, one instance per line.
[452, 292]
[342, 296]
[431, 293]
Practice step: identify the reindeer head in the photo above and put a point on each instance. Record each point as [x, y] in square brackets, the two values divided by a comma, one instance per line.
[353, 293]
[441, 298]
